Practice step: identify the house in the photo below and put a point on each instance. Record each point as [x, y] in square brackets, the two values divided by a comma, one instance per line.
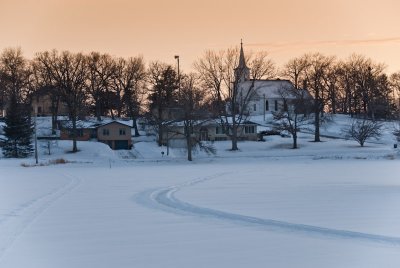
[47, 103]
[84, 130]
[211, 130]
[114, 133]
[264, 96]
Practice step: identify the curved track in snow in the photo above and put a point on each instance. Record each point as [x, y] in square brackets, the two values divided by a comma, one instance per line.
[164, 199]
[20, 218]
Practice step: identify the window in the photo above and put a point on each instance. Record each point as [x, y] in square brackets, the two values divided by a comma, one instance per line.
[249, 129]
[219, 130]
[255, 107]
[285, 107]
[79, 133]
[191, 130]
[276, 105]
[266, 105]
[204, 134]
[106, 132]
[122, 132]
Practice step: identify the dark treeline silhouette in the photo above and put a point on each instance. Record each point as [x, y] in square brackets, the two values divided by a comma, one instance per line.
[97, 84]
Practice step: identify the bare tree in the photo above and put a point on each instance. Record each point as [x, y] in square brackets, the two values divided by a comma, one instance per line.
[194, 113]
[317, 70]
[332, 85]
[15, 74]
[101, 73]
[361, 130]
[130, 79]
[295, 71]
[69, 71]
[395, 85]
[366, 86]
[231, 84]
[296, 116]
[43, 84]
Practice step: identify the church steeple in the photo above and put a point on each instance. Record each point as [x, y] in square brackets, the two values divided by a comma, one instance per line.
[242, 72]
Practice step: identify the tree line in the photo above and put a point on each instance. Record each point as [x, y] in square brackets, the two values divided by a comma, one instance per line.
[99, 84]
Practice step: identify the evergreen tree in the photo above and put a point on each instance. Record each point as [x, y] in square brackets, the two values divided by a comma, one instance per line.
[18, 130]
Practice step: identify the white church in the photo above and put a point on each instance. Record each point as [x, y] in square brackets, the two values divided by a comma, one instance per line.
[266, 95]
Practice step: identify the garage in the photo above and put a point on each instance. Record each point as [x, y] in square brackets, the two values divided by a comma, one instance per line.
[121, 145]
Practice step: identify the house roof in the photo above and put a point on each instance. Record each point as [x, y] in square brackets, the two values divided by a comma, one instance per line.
[115, 122]
[272, 89]
[208, 122]
[89, 124]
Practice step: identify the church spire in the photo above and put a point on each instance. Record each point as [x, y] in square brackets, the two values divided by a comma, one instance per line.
[242, 61]
[242, 72]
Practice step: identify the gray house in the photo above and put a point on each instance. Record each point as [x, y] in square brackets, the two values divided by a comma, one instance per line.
[211, 130]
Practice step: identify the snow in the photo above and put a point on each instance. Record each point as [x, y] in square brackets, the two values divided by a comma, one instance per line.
[328, 204]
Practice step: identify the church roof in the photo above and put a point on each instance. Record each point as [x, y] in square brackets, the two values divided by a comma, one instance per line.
[270, 88]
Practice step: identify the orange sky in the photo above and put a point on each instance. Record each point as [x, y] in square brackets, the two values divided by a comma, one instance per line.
[159, 29]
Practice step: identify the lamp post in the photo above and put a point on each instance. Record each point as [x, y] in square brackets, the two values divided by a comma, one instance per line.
[36, 150]
[265, 106]
[179, 76]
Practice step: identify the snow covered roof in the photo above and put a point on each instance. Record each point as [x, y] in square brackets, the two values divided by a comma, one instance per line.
[215, 121]
[125, 123]
[270, 88]
[94, 123]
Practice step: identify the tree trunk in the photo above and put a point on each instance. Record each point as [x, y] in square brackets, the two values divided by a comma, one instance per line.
[188, 143]
[334, 105]
[234, 137]
[294, 141]
[98, 110]
[134, 125]
[54, 115]
[160, 125]
[74, 143]
[316, 123]
[160, 134]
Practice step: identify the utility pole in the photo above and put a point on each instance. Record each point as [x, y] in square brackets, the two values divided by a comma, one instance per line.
[36, 149]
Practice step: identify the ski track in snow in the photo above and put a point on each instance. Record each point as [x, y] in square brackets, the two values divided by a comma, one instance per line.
[16, 221]
[164, 199]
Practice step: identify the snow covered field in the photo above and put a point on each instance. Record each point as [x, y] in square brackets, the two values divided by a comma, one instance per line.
[329, 204]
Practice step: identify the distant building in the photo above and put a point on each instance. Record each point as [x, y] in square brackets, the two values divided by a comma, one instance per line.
[266, 95]
[115, 134]
[46, 104]
[211, 130]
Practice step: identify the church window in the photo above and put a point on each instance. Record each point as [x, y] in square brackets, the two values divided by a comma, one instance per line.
[266, 105]
[276, 105]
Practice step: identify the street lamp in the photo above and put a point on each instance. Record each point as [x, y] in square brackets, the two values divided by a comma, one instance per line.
[36, 149]
[179, 77]
[265, 106]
